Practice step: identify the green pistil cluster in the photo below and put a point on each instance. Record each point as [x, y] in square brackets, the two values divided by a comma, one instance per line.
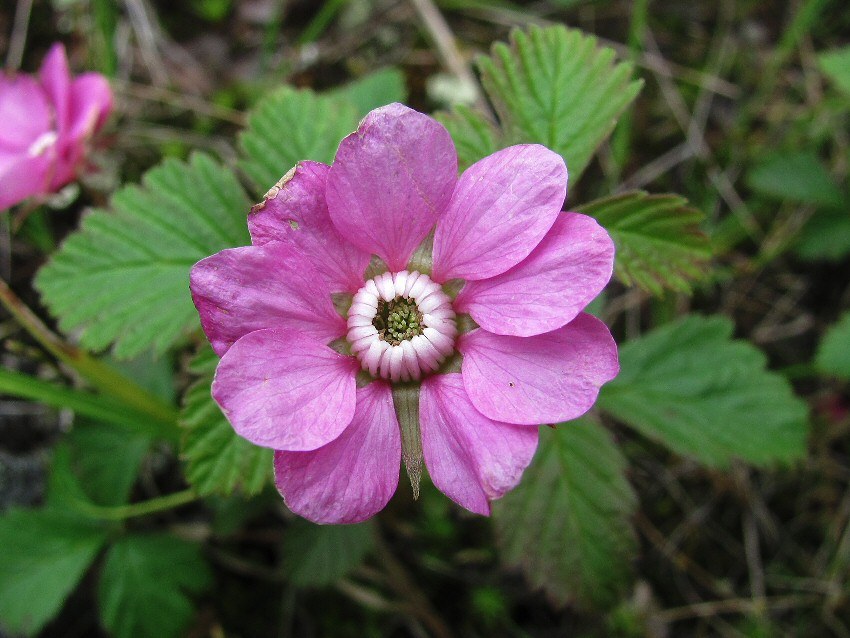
[398, 320]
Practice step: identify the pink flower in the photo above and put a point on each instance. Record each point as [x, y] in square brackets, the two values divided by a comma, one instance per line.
[46, 123]
[298, 377]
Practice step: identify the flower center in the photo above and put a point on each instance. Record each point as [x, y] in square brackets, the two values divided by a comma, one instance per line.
[401, 325]
[397, 320]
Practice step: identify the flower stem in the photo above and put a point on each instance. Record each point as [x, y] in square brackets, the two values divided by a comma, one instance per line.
[102, 376]
[406, 402]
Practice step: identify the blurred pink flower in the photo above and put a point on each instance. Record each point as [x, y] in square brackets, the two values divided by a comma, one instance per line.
[46, 123]
[297, 377]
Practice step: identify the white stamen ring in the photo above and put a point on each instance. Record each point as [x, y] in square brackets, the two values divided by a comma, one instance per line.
[409, 359]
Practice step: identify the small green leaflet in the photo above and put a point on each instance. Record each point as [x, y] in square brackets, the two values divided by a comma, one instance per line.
[833, 356]
[154, 374]
[319, 555]
[796, 176]
[559, 88]
[44, 555]
[836, 65]
[100, 473]
[106, 459]
[373, 90]
[146, 583]
[659, 243]
[290, 125]
[690, 386]
[217, 460]
[566, 525]
[123, 278]
[473, 135]
[826, 235]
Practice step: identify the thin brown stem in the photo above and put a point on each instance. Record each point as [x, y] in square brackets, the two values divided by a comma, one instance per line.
[404, 585]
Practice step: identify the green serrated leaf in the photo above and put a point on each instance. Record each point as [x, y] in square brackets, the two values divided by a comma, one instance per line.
[659, 243]
[558, 87]
[836, 65]
[371, 91]
[690, 386]
[319, 555]
[218, 461]
[123, 278]
[290, 125]
[795, 176]
[44, 555]
[473, 135]
[145, 586]
[567, 524]
[833, 356]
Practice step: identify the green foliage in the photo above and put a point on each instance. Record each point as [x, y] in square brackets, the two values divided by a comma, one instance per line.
[95, 465]
[836, 65]
[801, 177]
[64, 491]
[154, 374]
[559, 88]
[44, 555]
[212, 10]
[146, 584]
[95, 406]
[833, 355]
[659, 243]
[694, 389]
[371, 91]
[798, 176]
[826, 235]
[567, 524]
[106, 460]
[123, 278]
[473, 135]
[217, 460]
[319, 555]
[290, 125]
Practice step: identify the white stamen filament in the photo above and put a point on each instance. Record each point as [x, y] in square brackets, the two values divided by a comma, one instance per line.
[42, 143]
[408, 359]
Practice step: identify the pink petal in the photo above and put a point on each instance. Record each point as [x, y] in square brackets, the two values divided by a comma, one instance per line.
[295, 211]
[56, 79]
[502, 207]
[353, 477]
[547, 378]
[22, 177]
[90, 102]
[25, 114]
[240, 290]
[548, 288]
[283, 390]
[90, 105]
[390, 181]
[470, 458]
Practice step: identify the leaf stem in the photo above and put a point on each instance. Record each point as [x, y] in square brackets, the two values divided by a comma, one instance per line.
[102, 376]
[143, 508]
